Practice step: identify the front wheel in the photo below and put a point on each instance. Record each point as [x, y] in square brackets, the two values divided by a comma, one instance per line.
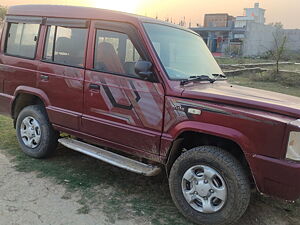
[209, 186]
[34, 132]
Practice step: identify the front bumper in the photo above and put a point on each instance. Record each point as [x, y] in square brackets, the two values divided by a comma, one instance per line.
[275, 177]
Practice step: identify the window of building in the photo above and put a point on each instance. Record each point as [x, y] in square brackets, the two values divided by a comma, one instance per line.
[115, 53]
[65, 45]
[22, 39]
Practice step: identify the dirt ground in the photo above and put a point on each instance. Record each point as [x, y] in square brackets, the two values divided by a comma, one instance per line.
[28, 200]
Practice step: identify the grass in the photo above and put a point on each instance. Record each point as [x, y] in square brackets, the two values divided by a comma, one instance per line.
[228, 60]
[295, 68]
[285, 85]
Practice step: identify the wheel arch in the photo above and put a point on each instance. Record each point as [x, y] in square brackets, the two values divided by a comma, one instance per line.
[202, 134]
[25, 96]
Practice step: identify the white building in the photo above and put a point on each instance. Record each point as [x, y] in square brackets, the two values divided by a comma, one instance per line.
[255, 14]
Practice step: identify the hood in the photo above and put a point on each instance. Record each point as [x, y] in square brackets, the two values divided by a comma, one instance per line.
[223, 92]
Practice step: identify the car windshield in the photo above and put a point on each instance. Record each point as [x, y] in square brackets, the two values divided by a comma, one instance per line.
[182, 53]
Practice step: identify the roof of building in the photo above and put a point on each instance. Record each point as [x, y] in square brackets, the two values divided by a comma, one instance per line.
[216, 14]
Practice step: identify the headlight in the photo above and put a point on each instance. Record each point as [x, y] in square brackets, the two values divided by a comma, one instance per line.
[293, 149]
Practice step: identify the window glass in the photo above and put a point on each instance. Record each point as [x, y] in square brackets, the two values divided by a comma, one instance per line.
[22, 39]
[65, 45]
[115, 53]
[49, 43]
[182, 53]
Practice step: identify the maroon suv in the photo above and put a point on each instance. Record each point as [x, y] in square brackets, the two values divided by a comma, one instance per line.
[153, 91]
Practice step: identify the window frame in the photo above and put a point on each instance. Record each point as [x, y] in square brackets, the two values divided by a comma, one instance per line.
[65, 23]
[133, 36]
[6, 39]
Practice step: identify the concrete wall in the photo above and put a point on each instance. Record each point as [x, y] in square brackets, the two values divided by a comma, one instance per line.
[259, 39]
[293, 39]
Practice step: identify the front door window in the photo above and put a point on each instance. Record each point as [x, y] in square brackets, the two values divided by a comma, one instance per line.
[115, 53]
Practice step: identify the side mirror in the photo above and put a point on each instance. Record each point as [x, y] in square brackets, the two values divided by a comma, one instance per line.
[143, 69]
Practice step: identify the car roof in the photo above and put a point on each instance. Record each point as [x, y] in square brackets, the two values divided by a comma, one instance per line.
[80, 12]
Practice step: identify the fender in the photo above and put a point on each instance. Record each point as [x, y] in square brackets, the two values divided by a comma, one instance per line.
[215, 130]
[29, 90]
[34, 91]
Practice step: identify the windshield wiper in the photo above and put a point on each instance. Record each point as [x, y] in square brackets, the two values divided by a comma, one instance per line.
[218, 76]
[197, 78]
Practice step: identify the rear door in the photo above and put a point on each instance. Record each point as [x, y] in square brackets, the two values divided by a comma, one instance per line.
[120, 107]
[61, 70]
[18, 64]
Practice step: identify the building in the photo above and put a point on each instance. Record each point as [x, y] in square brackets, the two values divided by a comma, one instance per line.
[256, 15]
[218, 20]
[259, 38]
[244, 35]
[219, 31]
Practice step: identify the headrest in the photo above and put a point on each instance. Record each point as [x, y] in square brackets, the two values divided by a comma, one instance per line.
[63, 44]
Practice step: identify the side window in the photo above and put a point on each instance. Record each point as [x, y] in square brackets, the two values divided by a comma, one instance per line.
[22, 39]
[65, 45]
[115, 53]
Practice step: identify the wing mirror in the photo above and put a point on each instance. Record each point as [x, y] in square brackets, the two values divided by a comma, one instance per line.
[143, 69]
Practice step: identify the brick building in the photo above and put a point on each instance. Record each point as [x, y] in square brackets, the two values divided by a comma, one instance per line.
[218, 20]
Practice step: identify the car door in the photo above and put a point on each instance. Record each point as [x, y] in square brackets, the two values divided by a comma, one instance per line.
[18, 64]
[119, 107]
[61, 70]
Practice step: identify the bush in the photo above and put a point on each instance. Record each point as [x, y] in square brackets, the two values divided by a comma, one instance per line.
[290, 79]
[266, 76]
[293, 56]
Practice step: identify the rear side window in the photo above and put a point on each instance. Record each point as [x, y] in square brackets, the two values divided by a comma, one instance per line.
[65, 45]
[115, 53]
[22, 39]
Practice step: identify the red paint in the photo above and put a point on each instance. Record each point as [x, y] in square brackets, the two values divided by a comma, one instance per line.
[153, 114]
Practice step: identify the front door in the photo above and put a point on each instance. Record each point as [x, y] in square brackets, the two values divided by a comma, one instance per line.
[120, 107]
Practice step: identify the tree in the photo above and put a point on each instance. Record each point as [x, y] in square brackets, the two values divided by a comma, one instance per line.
[3, 10]
[279, 47]
[276, 24]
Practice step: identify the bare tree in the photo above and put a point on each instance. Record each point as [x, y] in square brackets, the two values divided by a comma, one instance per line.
[279, 47]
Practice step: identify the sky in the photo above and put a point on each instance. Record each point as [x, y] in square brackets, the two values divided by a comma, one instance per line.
[285, 11]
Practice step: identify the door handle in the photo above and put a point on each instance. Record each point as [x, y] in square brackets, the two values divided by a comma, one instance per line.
[94, 86]
[44, 77]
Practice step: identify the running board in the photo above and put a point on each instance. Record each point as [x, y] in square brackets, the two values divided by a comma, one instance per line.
[110, 157]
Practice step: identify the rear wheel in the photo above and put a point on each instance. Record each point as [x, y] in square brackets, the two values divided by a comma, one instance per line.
[209, 186]
[35, 134]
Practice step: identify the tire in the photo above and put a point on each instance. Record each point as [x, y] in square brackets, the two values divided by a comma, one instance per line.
[35, 134]
[214, 183]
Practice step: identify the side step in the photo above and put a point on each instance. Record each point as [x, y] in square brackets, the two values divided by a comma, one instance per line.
[110, 157]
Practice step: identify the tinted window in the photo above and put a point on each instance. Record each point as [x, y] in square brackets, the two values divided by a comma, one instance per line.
[115, 53]
[65, 45]
[22, 39]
